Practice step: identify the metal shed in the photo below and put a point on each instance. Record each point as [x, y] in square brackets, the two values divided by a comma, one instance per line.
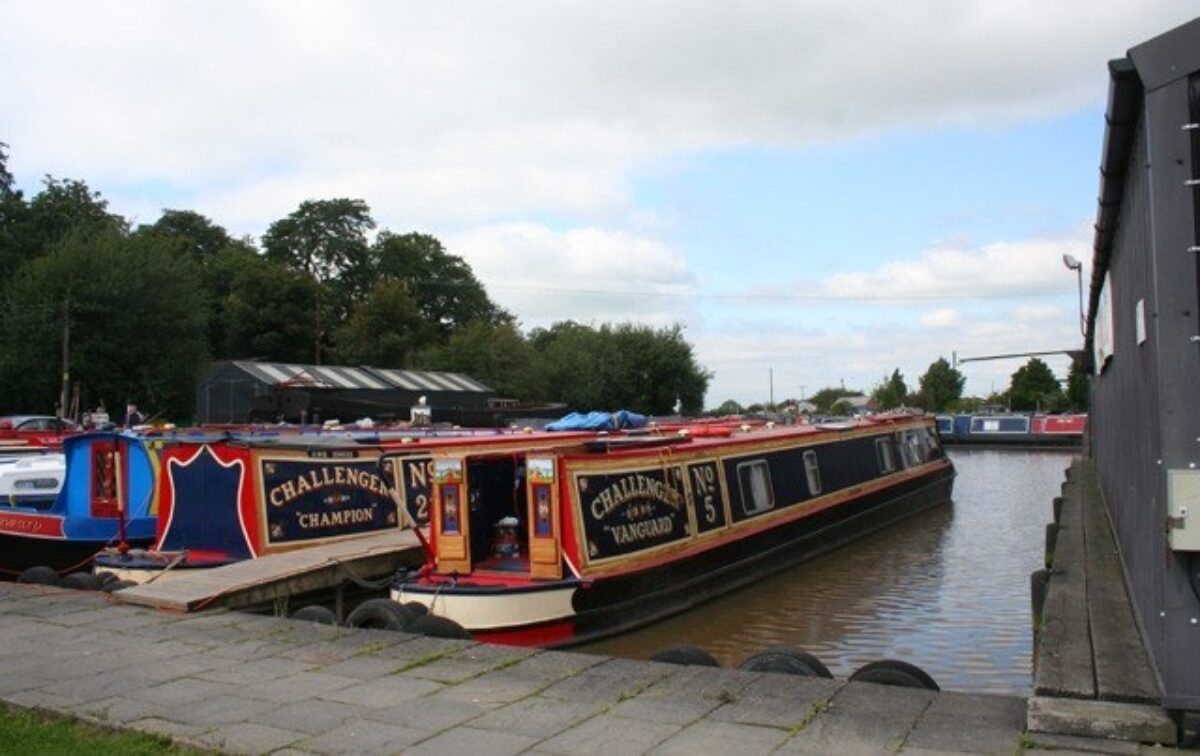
[239, 391]
[1143, 340]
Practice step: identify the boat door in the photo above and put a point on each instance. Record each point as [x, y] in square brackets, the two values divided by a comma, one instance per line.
[541, 493]
[451, 518]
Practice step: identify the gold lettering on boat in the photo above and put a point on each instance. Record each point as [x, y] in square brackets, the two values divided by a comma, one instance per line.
[631, 488]
[328, 476]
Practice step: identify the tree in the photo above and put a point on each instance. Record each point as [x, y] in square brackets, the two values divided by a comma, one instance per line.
[637, 367]
[203, 238]
[1078, 387]
[496, 354]
[136, 317]
[13, 212]
[941, 386]
[728, 407]
[891, 392]
[327, 240]
[60, 209]
[824, 399]
[1034, 387]
[270, 313]
[322, 237]
[6, 178]
[443, 285]
[383, 330]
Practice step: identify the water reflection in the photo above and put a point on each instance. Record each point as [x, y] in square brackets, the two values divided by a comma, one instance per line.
[947, 590]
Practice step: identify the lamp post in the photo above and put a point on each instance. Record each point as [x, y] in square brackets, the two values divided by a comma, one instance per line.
[1077, 266]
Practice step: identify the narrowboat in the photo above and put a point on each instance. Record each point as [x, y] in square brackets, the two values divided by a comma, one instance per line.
[1012, 429]
[229, 497]
[565, 544]
[105, 498]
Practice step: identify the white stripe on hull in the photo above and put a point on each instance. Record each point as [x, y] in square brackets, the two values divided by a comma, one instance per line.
[498, 611]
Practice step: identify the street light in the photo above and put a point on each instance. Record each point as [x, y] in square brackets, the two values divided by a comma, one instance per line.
[1077, 266]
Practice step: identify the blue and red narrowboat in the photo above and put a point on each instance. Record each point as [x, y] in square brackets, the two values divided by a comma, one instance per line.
[106, 499]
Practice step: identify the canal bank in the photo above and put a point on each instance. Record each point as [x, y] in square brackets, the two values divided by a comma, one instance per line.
[254, 684]
[243, 683]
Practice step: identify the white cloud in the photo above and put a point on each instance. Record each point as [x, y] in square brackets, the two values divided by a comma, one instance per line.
[583, 274]
[1001, 269]
[942, 318]
[461, 112]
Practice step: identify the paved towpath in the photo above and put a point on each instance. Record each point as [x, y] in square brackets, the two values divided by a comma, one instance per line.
[254, 684]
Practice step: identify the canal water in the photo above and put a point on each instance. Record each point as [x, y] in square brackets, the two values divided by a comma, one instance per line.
[947, 590]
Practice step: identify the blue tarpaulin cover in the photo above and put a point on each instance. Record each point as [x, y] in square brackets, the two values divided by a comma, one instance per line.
[619, 420]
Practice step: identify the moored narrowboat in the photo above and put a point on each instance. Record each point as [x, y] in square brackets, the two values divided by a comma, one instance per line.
[1013, 429]
[228, 497]
[612, 533]
[106, 499]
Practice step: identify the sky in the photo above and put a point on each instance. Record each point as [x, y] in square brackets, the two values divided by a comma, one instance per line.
[818, 192]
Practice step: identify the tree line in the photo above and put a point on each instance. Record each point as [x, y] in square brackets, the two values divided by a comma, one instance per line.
[141, 311]
[940, 389]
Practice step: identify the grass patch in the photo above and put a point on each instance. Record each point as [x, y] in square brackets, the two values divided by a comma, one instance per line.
[27, 732]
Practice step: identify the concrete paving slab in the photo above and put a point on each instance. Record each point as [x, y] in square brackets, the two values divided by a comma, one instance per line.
[471, 661]
[609, 682]
[721, 738]
[428, 715]
[778, 701]
[217, 712]
[182, 692]
[537, 717]
[180, 733]
[117, 710]
[361, 736]
[489, 691]
[1045, 743]
[298, 687]
[607, 735]
[965, 723]
[254, 671]
[248, 738]
[1101, 719]
[392, 690]
[466, 740]
[862, 716]
[362, 667]
[680, 710]
[313, 716]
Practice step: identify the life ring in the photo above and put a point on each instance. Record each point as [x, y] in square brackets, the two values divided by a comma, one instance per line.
[789, 661]
[894, 672]
[687, 655]
[377, 614]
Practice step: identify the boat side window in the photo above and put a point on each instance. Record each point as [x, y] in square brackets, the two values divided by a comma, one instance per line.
[754, 479]
[883, 452]
[912, 448]
[812, 471]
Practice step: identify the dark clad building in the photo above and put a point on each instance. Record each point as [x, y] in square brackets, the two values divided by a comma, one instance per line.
[240, 391]
[1144, 339]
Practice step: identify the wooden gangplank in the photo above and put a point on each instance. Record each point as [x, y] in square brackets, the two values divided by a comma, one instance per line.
[1089, 646]
[277, 576]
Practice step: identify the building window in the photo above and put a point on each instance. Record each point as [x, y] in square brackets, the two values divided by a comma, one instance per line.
[754, 479]
[812, 471]
[885, 454]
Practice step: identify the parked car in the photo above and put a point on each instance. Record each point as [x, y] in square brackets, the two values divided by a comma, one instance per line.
[35, 423]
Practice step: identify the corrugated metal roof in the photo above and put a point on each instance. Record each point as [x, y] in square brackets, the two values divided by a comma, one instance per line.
[339, 376]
